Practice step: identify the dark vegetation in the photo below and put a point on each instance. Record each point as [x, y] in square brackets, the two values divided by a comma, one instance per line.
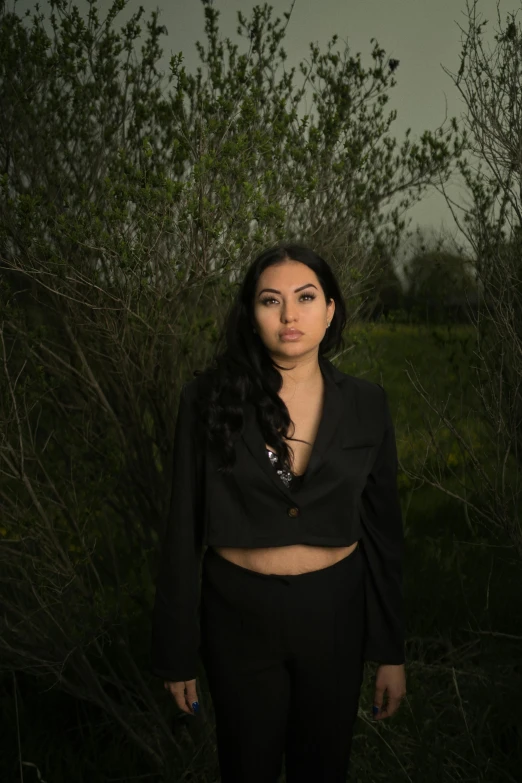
[130, 202]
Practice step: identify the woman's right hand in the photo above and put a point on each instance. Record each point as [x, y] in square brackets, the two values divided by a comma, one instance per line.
[185, 695]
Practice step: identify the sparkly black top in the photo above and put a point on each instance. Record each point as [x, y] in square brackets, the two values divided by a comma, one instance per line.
[288, 478]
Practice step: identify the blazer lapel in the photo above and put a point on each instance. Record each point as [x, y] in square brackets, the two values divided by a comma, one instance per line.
[334, 409]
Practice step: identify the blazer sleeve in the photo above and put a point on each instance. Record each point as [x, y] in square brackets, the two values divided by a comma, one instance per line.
[175, 636]
[383, 550]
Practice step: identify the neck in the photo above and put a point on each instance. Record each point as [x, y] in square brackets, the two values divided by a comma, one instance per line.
[303, 375]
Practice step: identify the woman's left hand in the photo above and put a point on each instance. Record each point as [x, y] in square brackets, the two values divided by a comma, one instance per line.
[390, 679]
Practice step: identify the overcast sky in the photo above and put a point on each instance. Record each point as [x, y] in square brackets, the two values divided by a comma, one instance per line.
[423, 34]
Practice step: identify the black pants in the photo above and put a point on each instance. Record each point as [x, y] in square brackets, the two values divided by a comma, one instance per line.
[283, 658]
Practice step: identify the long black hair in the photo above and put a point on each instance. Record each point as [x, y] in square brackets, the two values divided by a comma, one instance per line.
[241, 368]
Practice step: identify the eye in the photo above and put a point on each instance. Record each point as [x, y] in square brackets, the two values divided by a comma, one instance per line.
[271, 298]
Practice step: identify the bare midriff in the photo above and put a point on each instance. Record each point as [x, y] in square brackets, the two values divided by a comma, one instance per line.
[284, 560]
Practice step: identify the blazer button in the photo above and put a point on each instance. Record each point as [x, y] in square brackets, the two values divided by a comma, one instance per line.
[293, 512]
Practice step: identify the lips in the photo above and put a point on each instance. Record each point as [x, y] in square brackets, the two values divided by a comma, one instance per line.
[290, 332]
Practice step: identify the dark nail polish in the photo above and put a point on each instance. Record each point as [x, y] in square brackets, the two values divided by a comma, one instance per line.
[195, 706]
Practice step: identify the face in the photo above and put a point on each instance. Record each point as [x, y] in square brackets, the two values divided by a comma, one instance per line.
[289, 297]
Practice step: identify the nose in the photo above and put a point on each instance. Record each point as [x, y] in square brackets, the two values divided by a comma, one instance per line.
[287, 315]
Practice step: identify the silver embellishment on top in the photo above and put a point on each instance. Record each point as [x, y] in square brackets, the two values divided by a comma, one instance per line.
[286, 476]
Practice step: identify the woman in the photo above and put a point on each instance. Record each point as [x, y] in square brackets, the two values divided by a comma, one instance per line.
[285, 469]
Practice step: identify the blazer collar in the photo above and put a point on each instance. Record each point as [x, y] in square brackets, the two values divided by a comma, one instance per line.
[331, 420]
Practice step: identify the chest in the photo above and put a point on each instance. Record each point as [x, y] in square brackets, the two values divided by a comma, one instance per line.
[305, 413]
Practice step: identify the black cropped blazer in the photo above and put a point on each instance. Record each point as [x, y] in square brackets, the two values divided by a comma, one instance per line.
[347, 494]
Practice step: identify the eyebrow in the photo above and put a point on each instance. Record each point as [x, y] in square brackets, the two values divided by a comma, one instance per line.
[275, 291]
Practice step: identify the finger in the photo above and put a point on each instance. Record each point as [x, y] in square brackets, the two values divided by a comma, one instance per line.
[191, 697]
[177, 690]
[378, 699]
[391, 707]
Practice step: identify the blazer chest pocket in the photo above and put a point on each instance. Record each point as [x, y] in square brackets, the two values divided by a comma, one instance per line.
[363, 442]
[358, 437]
[357, 453]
